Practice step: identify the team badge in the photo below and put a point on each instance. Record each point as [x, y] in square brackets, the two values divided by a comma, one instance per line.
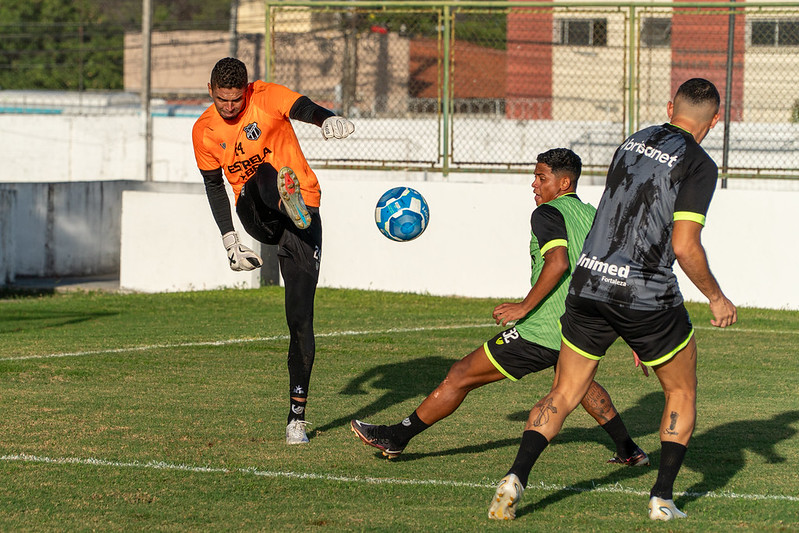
[252, 131]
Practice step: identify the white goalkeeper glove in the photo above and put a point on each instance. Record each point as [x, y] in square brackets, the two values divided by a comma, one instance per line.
[240, 257]
[338, 127]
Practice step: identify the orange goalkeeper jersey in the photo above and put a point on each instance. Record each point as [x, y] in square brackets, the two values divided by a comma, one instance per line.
[262, 133]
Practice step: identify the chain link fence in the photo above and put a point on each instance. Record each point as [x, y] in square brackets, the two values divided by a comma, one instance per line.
[447, 86]
[463, 86]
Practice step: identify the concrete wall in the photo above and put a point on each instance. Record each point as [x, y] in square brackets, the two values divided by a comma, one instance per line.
[65, 229]
[476, 244]
[7, 198]
[170, 242]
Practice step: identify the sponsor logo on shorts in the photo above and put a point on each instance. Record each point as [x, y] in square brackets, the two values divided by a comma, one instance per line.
[650, 152]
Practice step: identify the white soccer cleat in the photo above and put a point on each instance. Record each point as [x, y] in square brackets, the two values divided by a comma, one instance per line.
[509, 492]
[660, 509]
[295, 432]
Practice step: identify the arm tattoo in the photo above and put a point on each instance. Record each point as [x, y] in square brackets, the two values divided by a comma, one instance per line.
[544, 407]
[670, 430]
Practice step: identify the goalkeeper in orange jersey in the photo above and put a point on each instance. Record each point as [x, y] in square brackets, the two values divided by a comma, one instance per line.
[246, 136]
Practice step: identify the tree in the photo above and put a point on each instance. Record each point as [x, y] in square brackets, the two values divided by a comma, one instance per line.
[79, 44]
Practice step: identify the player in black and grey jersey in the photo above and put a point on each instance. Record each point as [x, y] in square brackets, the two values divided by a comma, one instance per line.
[658, 176]
[652, 212]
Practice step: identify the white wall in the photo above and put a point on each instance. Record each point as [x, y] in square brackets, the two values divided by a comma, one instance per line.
[476, 244]
[170, 242]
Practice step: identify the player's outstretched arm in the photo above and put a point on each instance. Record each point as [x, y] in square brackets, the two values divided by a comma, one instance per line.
[556, 263]
[240, 257]
[333, 126]
[687, 245]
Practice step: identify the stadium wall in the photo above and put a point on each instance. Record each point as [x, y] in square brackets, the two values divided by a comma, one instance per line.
[6, 249]
[72, 189]
[476, 244]
[65, 229]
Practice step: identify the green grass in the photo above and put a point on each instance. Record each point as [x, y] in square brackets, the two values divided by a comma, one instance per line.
[123, 412]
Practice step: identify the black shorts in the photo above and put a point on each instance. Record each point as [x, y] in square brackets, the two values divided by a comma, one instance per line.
[301, 249]
[589, 327]
[516, 357]
[298, 249]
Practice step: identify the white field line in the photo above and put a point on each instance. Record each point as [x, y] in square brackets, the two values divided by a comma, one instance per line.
[148, 347]
[161, 465]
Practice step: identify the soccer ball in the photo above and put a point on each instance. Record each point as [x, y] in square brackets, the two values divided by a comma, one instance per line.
[401, 214]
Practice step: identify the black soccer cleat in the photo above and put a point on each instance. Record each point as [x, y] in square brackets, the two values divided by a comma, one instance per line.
[379, 437]
[638, 458]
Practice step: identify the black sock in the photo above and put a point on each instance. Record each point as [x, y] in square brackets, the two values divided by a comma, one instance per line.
[408, 428]
[625, 446]
[297, 410]
[671, 458]
[533, 443]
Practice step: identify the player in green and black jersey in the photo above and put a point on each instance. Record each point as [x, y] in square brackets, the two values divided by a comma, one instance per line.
[658, 190]
[559, 226]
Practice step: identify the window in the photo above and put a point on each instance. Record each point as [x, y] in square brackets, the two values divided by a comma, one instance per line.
[775, 33]
[579, 32]
[656, 32]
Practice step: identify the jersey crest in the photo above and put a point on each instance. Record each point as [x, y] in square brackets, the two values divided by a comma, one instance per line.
[252, 131]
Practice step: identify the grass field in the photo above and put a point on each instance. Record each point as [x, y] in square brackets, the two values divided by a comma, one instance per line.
[167, 412]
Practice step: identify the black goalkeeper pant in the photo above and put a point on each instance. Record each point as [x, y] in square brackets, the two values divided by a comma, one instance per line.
[299, 254]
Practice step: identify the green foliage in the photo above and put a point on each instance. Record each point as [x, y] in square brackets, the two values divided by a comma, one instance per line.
[52, 44]
[79, 45]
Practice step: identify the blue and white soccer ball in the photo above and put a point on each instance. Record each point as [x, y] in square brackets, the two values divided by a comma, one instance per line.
[401, 214]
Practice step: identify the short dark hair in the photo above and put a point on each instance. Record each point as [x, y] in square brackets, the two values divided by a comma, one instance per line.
[699, 91]
[562, 160]
[229, 73]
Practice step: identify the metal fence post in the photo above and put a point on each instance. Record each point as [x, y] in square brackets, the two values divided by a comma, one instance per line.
[632, 87]
[728, 97]
[446, 101]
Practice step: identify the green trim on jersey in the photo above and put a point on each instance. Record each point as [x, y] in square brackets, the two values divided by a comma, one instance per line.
[554, 244]
[541, 324]
[687, 215]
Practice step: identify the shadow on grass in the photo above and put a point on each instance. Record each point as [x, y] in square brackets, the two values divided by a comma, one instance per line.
[718, 454]
[24, 320]
[398, 381]
[638, 420]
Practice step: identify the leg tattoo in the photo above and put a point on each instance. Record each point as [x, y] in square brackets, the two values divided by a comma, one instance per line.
[597, 404]
[544, 408]
[670, 430]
